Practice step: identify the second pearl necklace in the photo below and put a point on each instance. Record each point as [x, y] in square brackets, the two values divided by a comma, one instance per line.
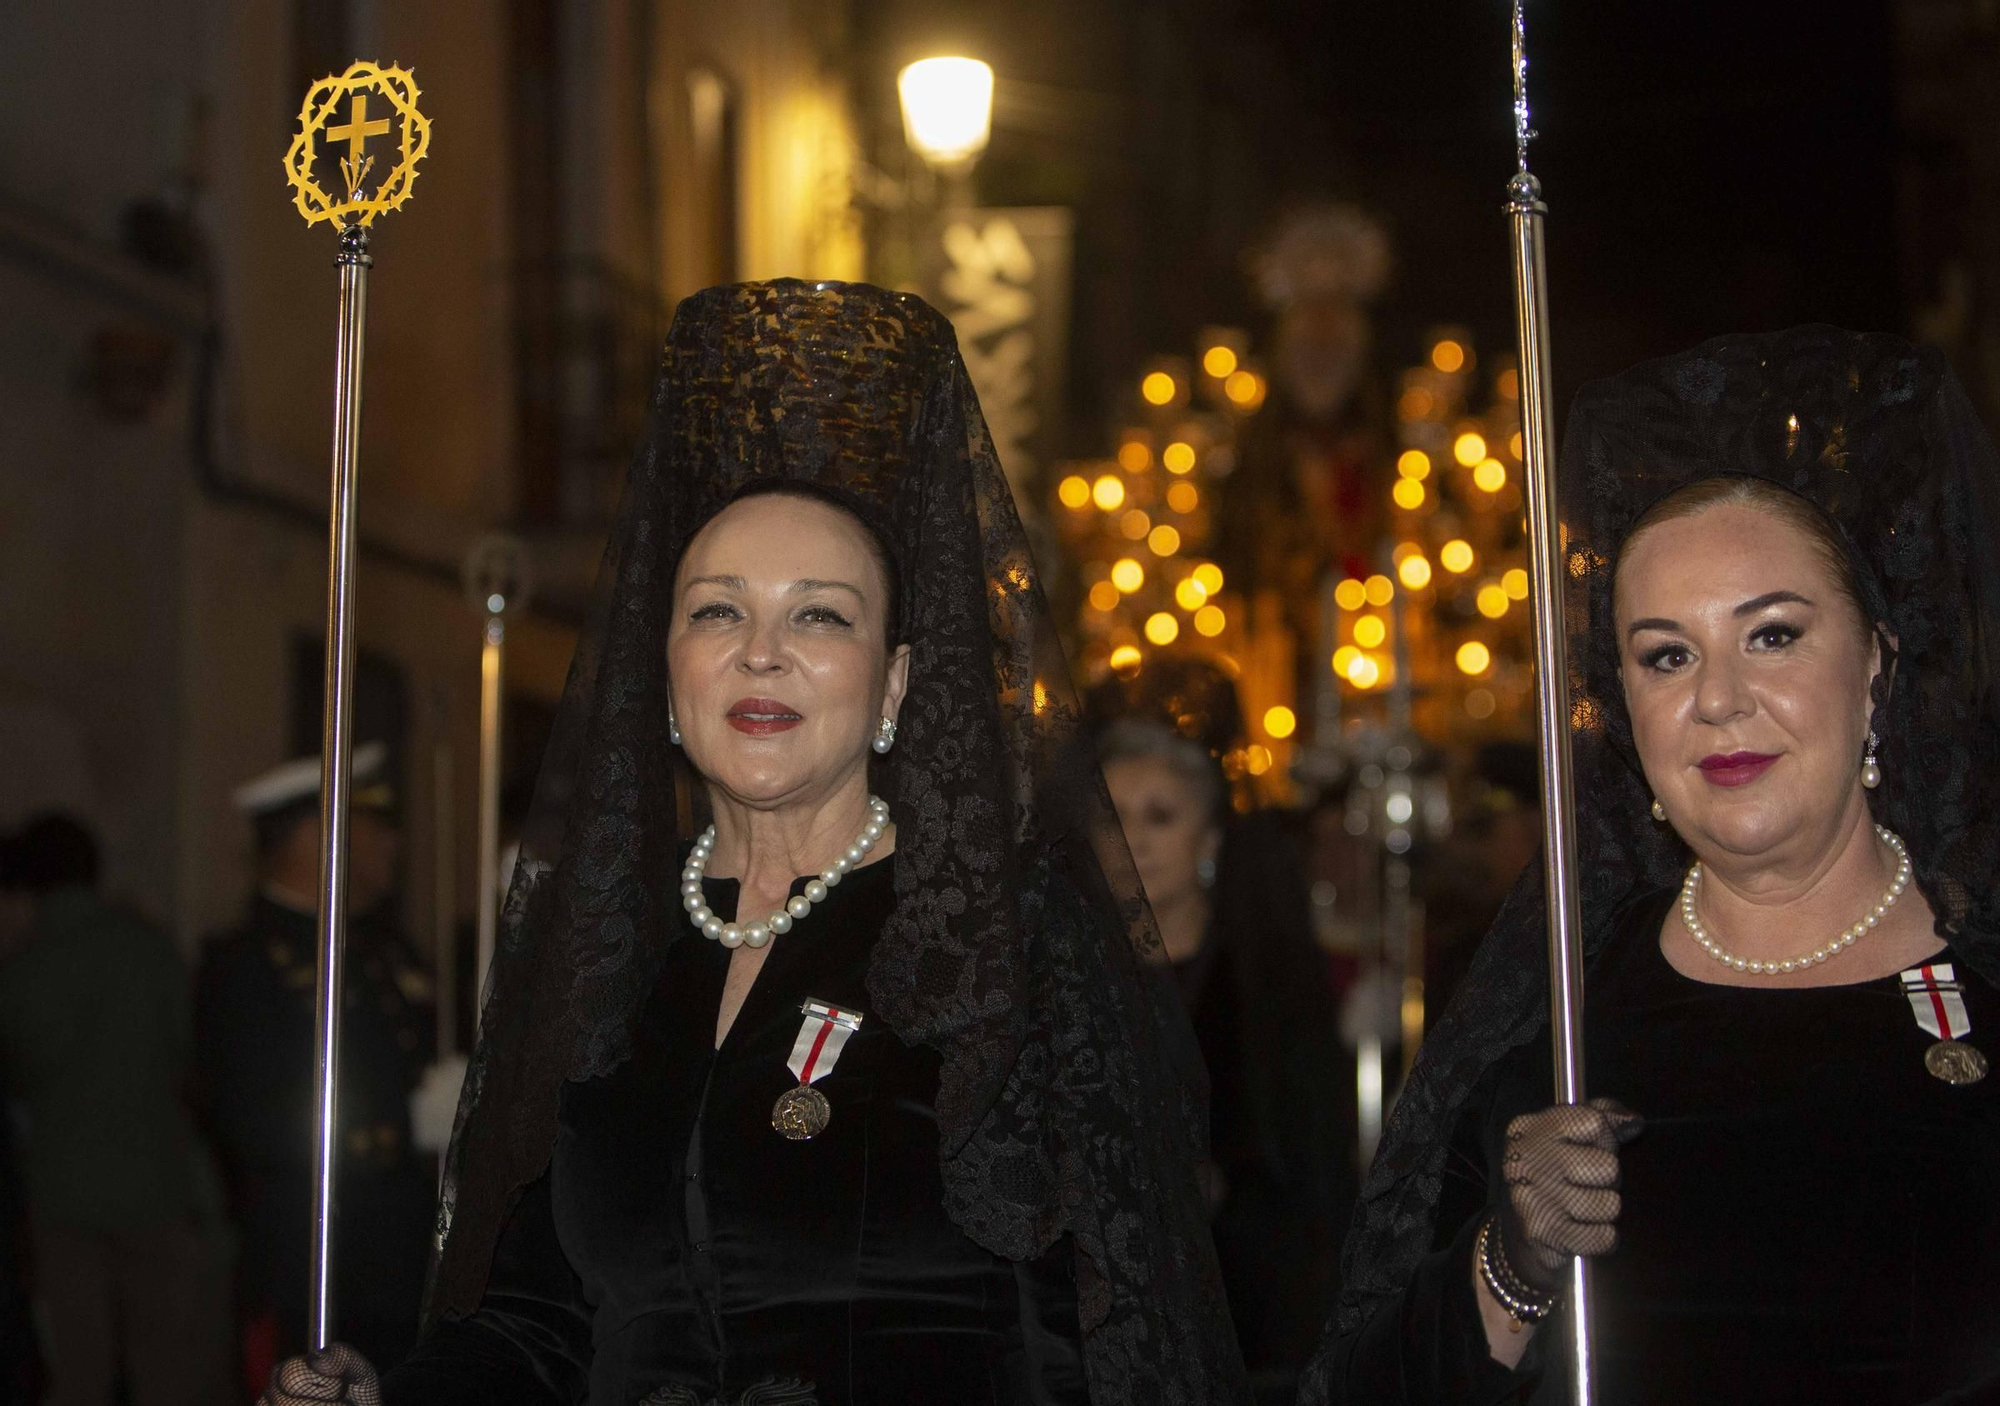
[1692, 886]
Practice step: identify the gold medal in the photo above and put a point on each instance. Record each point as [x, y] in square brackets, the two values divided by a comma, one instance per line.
[1955, 1062]
[802, 1112]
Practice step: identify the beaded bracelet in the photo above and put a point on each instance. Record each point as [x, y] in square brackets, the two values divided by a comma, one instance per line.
[1523, 1305]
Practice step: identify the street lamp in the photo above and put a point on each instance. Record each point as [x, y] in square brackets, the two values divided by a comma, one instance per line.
[947, 111]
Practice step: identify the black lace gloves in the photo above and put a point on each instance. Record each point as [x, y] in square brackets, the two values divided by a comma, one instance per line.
[337, 1375]
[1561, 1169]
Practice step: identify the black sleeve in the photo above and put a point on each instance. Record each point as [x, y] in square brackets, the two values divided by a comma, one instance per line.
[253, 1060]
[528, 1342]
[1426, 1344]
[1051, 1342]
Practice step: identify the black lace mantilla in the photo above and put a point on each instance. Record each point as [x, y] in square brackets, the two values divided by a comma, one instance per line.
[1881, 437]
[1016, 944]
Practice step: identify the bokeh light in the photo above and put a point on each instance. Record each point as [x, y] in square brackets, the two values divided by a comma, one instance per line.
[1245, 388]
[1448, 356]
[1408, 493]
[1474, 657]
[1104, 596]
[1350, 594]
[1074, 491]
[1515, 583]
[1415, 572]
[1134, 457]
[1455, 556]
[1280, 721]
[1165, 540]
[1158, 388]
[1126, 656]
[1369, 631]
[1469, 448]
[1210, 576]
[1380, 590]
[1257, 759]
[1183, 497]
[1490, 476]
[1209, 621]
[1414, 463]
[1363, 671]
[1492, 601]
[1190, 594]
[1127, 575]
[1135, 524]
[1108, 492]
[1343, 659]
[1480, 703]
[1162, 628]
[1178, 457]
[1218, 361]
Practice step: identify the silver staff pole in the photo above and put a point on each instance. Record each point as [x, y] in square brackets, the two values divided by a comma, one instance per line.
[320, 121]
[1525, 212]
[335, 762]
[496, 579]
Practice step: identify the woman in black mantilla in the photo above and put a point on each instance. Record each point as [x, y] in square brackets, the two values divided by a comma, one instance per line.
[786, 1093]
[1785, 607]
[1227, 890]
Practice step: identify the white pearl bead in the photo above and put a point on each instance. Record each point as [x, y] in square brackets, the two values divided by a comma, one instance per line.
[701, 915]
[691, 886]
[756, 935]
[730, 936]
[816, 890]
[711, 926]
[853, 854]
[799, 907]
[831, 876]
[781, 922]
[692, 901]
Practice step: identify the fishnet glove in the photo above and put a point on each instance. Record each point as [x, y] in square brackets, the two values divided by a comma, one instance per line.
[336, 1375]
[1561, 1168]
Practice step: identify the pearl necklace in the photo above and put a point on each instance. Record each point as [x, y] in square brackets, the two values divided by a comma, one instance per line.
[757, 934]
[1692, 885]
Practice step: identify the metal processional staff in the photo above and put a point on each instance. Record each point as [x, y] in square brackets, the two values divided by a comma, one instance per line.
[335, 126]
[1545, 575]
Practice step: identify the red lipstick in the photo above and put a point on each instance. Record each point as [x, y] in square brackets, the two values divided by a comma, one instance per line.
[762, 717]
[1735, 768]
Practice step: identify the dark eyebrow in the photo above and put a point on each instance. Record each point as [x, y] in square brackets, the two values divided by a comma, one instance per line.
[1769, 598]
[734, 583]
[1749, 607]
[801, 587]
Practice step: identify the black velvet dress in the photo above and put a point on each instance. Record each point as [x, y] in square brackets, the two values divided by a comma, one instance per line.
[1809, 1216]
[681, 1252]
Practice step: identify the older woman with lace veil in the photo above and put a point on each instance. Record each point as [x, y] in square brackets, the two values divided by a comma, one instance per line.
[1784, 604]
[818, 1063]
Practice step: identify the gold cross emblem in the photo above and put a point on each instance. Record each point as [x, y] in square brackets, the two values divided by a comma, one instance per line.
[363, 198]
[358, 129]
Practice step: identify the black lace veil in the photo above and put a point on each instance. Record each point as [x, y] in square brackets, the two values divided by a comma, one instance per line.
[1016, 943]
[1881, 437]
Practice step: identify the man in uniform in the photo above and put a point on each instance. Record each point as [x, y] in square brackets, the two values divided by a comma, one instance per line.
[254, 1036]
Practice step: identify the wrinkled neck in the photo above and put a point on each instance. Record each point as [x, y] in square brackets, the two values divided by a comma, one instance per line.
[764, 848]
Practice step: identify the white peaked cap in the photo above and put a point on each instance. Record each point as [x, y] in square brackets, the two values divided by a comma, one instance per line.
[298, 779]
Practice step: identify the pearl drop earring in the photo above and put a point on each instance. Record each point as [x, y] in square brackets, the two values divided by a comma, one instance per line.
[673, 728]
[885, 736]
[1659, 811]
[1871, 770]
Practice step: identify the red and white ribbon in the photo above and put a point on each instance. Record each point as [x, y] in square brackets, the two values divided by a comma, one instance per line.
[1934, 998]
[821, 1037]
